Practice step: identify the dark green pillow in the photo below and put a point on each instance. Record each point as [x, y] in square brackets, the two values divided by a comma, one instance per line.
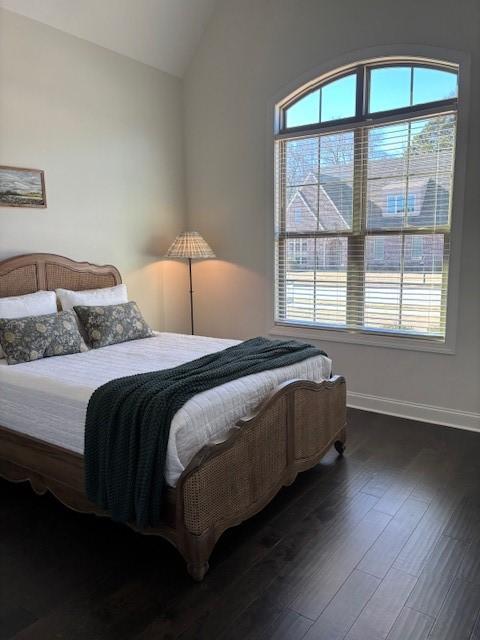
[112, 324]
[35, 337]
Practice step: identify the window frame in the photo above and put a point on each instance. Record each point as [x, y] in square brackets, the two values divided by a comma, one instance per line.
[395, 210]
[377, 56]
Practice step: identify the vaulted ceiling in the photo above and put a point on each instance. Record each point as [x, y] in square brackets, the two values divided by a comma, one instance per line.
[162, 33]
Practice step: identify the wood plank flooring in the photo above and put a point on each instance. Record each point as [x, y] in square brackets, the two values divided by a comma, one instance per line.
[383, 544]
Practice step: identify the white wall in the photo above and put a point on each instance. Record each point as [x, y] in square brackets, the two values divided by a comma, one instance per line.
[108, 133]
[252, 50]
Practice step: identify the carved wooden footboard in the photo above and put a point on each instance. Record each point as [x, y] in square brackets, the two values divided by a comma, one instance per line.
[230, 481]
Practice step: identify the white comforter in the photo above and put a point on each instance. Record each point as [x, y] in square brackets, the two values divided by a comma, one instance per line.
[47, 399]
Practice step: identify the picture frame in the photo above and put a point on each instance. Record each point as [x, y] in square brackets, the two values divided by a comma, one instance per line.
[22, 187]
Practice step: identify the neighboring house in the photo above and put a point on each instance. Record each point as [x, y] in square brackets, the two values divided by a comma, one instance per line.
[327, 206]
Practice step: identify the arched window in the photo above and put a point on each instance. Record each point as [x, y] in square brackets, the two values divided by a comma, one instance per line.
[369, 152]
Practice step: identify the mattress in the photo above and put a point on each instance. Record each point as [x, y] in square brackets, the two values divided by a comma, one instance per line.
[48, 398]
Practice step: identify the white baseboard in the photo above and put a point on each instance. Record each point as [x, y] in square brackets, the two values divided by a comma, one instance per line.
[415, 411]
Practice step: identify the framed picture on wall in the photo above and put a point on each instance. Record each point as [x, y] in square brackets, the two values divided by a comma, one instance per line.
[22, 187]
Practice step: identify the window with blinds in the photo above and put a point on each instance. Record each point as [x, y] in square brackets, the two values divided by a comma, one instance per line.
[363, 190]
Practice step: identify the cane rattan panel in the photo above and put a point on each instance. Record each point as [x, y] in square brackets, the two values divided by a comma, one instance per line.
[19, 281]
[234, 480]
[62, 277]
[317, 415]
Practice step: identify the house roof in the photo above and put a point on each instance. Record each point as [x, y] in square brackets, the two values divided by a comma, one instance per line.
[332, 199]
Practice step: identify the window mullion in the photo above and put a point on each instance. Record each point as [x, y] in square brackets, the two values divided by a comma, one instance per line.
[356, 242]
[282, 242]
[445, 271]
[360, 98]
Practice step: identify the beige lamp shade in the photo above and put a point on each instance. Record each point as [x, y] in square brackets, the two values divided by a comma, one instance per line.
[190, 244]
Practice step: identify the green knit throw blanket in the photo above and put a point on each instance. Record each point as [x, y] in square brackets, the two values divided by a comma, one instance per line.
[128, 423]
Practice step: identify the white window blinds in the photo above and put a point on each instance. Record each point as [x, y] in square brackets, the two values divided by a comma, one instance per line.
[363, 225]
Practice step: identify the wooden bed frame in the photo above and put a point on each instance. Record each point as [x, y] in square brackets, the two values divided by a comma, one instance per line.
[227, 481]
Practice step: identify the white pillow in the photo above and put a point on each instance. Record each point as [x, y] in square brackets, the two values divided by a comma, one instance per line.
[39, 303]
[92, 297]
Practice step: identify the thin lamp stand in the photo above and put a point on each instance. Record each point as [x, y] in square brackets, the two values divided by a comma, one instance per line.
[191, 293]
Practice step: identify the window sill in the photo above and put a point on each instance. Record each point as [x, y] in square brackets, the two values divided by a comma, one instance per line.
[364, 339]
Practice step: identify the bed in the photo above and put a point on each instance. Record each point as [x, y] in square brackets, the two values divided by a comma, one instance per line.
[230, 449]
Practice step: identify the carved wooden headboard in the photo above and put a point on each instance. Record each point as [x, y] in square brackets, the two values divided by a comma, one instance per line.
[46, 271]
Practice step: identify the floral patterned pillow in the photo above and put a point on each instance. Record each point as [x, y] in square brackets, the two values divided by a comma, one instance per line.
[112, 324]
[35, 337]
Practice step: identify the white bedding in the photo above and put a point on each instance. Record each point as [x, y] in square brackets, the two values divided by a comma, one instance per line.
[48, 398]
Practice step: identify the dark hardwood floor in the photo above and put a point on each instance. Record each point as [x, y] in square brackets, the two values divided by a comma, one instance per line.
[383, 544]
